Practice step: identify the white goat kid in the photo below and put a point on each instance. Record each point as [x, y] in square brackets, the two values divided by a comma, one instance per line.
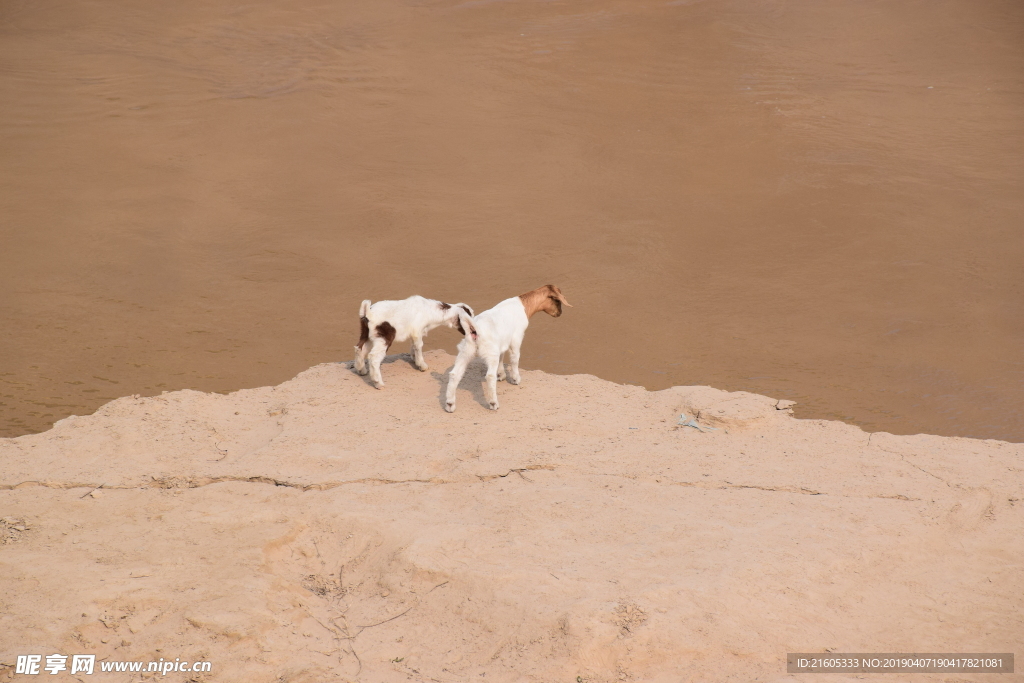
[498, 330]
[385, 322]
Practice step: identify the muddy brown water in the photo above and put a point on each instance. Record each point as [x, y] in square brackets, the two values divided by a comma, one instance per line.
[818, 200]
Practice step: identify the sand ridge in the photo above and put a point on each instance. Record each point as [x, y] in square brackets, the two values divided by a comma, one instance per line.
[323, 530]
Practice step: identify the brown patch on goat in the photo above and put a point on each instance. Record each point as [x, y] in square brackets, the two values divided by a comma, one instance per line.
[386, 332]
[547, 298]
[364, 331]
[466, 308]
[444, 306]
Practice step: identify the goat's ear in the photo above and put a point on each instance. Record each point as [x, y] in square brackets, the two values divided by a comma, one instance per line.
[466, 308]
[557, 294]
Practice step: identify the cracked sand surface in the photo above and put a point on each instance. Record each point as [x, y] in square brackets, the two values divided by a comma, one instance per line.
[323, 530]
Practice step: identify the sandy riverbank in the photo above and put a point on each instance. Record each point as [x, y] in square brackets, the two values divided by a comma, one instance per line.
[322, 530]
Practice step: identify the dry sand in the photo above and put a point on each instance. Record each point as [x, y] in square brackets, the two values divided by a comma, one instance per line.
[321, 530]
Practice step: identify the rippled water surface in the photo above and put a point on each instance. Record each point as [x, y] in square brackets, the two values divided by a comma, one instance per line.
[818, 200]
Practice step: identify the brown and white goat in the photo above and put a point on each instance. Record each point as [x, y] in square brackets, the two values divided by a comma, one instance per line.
[498, 330]
[385, 322]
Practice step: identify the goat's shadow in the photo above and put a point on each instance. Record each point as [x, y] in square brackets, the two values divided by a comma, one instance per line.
[388, 360]
[472, 380]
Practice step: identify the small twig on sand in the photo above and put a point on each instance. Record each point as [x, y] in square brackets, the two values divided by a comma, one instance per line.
[409, 609]
[400, 614]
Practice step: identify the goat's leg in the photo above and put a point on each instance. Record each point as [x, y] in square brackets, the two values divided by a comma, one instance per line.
[377, 353]
[513, 358]
[359, 365]
[465, 355]
[501, 367]
[491, 380]
[362, 348]
[417, 354]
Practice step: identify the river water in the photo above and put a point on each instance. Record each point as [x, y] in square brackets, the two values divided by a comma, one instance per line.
[818, 200]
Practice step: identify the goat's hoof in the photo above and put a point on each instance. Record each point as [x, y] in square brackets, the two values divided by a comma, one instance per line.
[493, 405]
[513, 380]
[378, 385]
[422, 368]
[449, 407]
[362, 372]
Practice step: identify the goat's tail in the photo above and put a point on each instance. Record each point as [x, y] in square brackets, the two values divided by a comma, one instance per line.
[364, 308]
[466, 326]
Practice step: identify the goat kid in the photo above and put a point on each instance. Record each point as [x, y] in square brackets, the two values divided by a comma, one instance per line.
[385, 322]
[498, 330]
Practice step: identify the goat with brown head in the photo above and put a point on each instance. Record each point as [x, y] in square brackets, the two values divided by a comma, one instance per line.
[500, 330]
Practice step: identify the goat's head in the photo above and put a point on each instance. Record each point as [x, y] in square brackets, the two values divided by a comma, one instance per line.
[459, 317]
[547, 298]
[465, 323]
